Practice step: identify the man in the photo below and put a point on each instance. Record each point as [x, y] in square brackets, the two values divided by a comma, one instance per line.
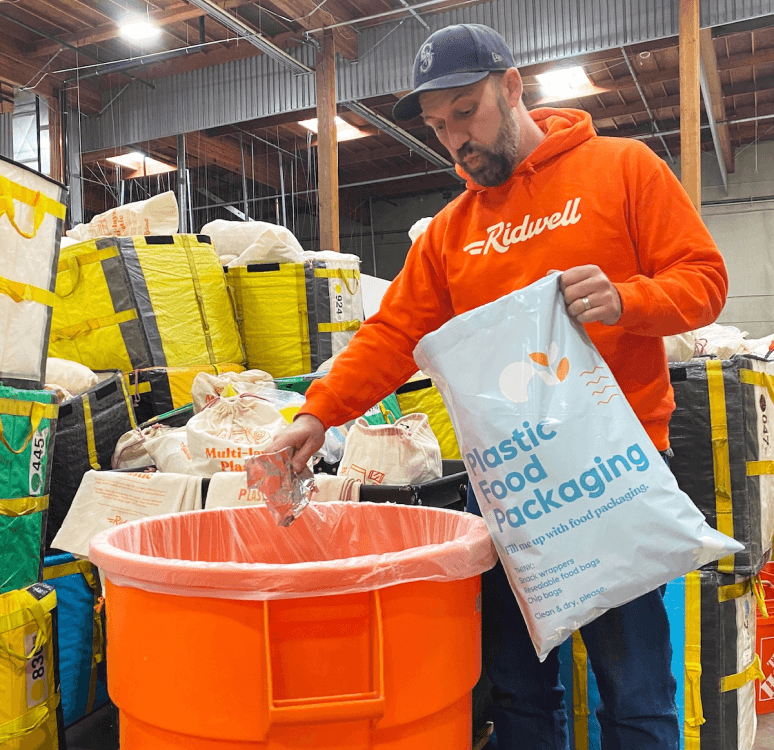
[543, 193]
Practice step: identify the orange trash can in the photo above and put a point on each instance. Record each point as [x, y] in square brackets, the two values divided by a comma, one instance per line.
[356, 628]
[764, 647]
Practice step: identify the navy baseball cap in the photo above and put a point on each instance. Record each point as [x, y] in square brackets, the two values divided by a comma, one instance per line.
[453, 57]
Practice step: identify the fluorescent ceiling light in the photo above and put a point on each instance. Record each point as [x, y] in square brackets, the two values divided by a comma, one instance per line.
[344, 131]
[140, 164]
[138, 29]
[565, 83]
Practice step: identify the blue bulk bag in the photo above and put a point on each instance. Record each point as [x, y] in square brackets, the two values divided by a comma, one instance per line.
[81, 634]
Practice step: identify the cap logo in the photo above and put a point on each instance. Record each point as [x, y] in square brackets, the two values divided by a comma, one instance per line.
[426, 55]
[497, 58]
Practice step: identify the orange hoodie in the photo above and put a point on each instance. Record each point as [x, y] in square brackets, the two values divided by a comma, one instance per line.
[577, 199]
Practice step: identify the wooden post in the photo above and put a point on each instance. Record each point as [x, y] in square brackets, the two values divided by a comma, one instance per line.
[690, 101]
[55, 138]
[327, 148]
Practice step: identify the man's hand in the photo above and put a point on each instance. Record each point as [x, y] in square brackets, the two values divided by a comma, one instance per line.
[590, 296]
[306, 435]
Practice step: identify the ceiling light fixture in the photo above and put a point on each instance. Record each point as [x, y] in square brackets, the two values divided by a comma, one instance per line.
[564, 83]
[139, 164]
[344, 130]
[138, 29]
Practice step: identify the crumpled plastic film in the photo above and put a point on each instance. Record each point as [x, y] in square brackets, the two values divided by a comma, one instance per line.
[332, 548]
[286, 492]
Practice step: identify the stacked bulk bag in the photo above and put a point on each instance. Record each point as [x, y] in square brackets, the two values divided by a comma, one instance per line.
[421, 396]
[131, 303]
[721, 434]
[27, 427]
[295, 316]
[712, 626]
[30, 710]
[32, 212]
[90, 424]
[158, 390]
[81, 633]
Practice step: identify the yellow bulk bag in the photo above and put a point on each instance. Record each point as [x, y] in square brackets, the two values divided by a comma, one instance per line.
[30, 711]
[295, 316]
[423, 397]
[130, 303]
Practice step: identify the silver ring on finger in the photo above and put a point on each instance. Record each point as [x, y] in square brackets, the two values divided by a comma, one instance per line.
[586, 303]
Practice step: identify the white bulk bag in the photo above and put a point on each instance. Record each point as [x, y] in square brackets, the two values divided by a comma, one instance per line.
[406, 452]
[32, 213]
[156, 215]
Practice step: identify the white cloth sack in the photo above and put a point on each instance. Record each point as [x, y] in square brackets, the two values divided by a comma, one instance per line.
[406, 452]
[156, 215]
[169, 451]
[228, 431]
[207, 387]
[108, 498]
[679, 348]
[131, 451]
[582, 508]
[74, 377]
[260, 241]
[418, 228]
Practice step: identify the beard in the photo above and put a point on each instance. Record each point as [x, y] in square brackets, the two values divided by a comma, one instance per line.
[496, 164]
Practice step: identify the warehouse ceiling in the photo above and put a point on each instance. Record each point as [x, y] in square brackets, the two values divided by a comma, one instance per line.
[633, 91]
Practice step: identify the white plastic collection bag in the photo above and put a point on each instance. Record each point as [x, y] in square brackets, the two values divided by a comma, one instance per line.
[109, 498]
[156, 215]
[406, 452]
[228, 431]
[582, 508]
[241, 242]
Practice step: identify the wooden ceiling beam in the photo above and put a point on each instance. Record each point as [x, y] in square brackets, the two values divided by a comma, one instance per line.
[306, 15]
[111, 30]
[760, 57]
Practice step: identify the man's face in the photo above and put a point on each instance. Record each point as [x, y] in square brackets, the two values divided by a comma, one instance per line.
[477, 127]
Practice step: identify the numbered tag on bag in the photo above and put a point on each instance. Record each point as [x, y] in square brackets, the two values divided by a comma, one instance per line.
[37, 461]
[37, 672]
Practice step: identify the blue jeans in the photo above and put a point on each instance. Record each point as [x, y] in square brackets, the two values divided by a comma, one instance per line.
[629, 651]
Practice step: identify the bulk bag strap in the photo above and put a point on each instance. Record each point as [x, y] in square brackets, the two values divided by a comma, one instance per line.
[694, 712]
[73, 263]
[720, 457]
[580, 692]
[347, 325]
[340, 273]
[95, 324]
[35, 410]
[32, 720]
[20, 292]
[740, 679]
[23, 506]
[41, 205]
[29, 609]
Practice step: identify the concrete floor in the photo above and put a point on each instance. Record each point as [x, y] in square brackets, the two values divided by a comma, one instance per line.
[764, 740]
